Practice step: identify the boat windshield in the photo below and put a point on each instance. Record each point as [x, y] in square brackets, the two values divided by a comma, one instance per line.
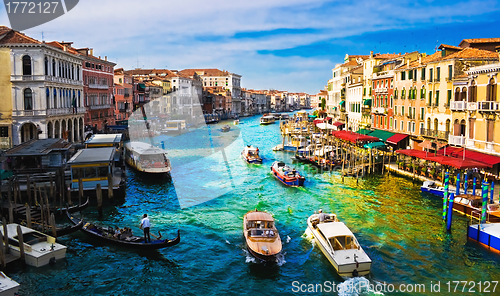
[343, 243]
[264, 232]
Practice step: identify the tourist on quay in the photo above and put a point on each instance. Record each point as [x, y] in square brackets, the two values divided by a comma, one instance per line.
[145, 225]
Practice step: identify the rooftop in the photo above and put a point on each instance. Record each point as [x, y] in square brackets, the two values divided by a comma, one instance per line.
[38, 147]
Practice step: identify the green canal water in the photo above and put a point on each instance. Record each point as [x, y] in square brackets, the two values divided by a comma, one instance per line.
[399, 228]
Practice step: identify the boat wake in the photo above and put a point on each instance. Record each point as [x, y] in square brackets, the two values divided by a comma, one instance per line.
[356, 286]
[227, 242]
[280, 259]
[249, 258]
[288, 239]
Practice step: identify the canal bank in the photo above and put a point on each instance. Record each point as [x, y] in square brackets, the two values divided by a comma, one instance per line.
[400, 229]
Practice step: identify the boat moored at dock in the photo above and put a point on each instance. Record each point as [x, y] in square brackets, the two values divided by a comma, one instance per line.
[40, 249]
[251, 155]
[262, 238]
[339, 245]
[146, 158]
[287, 175]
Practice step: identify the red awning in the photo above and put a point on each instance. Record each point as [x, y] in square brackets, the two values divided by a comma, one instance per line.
[338, 123]
[316, 121]
[444, 160]
[413, 152]
[328, 118]
[397, 138]
[468, 154]
[354, 137]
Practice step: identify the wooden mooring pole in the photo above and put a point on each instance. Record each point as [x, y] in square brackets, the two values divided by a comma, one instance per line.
[98, 194]
[21, 243]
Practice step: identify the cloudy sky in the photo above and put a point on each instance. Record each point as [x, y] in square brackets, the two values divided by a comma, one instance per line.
[274, 44]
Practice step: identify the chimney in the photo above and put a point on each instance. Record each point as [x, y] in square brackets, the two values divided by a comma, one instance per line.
[371, 54]
[105, 58]
[408, 62]
[91, 51]
[65, 47]
[420, 59]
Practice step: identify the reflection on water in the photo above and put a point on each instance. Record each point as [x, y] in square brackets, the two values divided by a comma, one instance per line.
[400, 230]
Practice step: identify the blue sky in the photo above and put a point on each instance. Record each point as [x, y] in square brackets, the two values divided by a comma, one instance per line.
[288, 45]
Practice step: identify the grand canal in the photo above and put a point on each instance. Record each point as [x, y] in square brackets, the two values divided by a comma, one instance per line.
[399, 228]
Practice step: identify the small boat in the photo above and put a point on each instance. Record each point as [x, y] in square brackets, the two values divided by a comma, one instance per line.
[432, 188]
[265, 120]
[262, 238]
[286, 174]
[174, 127]
[339, 245]
[236, 122]
[8, 287]
[39, 249]
[147, 158]
[471, 205]
[251, 154]
[107, 234]
[225, 128]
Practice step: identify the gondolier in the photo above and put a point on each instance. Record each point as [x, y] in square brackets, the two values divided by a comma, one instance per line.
[145, 225]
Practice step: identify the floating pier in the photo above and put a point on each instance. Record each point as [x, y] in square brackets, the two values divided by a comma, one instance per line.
[486, 234]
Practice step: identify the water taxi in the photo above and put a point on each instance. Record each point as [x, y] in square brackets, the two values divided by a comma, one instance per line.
[262, 238]
[8, 287]
[339, 245]
[286, 174]
[174, 127]
[265, 120]
[225, 128]
[471, 205]
[146, 158]
[39, 249]
[251, 154]
[432, 188]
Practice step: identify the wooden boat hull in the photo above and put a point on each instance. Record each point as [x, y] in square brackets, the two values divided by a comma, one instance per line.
[267, 258]
[100, 233]
[470, 210]
[260, 243]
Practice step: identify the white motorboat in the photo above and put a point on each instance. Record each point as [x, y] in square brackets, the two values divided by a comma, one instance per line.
[251, 154]
[339, 245]
[39, 249]
[265, 120]
[147, 158]
[8, 287]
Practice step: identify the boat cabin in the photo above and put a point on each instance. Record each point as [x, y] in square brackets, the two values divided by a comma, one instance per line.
[338, 236]
[267, 119]
[175, 126]
[108, 140]
[92, 166]
[144, 156]
[260, 225]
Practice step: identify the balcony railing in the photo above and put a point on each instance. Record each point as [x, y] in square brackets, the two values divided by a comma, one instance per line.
[98, 107]
[64, 111]
[98, 86]
[458, 105]
[381, 90]
[434, 133]
[379, 110]
[488, 106]
[472, 106]
[456, 140]
[18, 78]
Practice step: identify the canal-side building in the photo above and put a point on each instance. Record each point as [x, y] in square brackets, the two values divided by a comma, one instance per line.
[123, 91]
[354, 98]
[41, 90]
[476, 112]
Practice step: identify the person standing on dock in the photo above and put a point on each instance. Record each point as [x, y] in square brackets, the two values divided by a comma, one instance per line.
[145, 225]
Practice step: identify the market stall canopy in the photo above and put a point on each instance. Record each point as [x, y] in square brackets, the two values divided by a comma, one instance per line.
[353, 137]
[382, 135]
[397, 138]
[374, 145]
[416, 153]
[316, 121]
[325, 126]
[367, 102]
[467, 154]
[338, 123]
[363, 131]
[444, 160]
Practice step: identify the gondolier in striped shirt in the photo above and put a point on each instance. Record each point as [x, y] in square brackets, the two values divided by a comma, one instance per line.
[145, 225]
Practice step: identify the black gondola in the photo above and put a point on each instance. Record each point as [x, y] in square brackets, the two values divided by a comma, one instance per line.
[108, 235]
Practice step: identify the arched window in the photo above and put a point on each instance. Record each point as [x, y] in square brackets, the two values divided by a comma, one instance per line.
[403, 93]
[77, 72]
[28, 99]
[73, 72]
[46, 63]
[60, 70]
[491, 90]
[422, 93]
[448, 122]
[428, 124]
[473, 92]
[47, 98]
[462, 127]
[26, 65]
[436, 124]
[53, 67]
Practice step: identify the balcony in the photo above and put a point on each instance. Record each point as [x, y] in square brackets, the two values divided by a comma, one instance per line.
[48, 78]
[381, 90]
[379, 110]
[456, 140]
[65, 111]
[488, 106]
[471, 106]
[99, 107]
[458, 105]
[434, 134]
[98, 86]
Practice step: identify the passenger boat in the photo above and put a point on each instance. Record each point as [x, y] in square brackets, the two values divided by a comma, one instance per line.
[471, 205]
[262, 238]
[236, 122]
[93, 166]
[286, 174]
[174, 127]
[251, 154]
[339, 245]
[107, 234]
[265, 120]
[39, 249]
[225, 128]
[146, 158]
